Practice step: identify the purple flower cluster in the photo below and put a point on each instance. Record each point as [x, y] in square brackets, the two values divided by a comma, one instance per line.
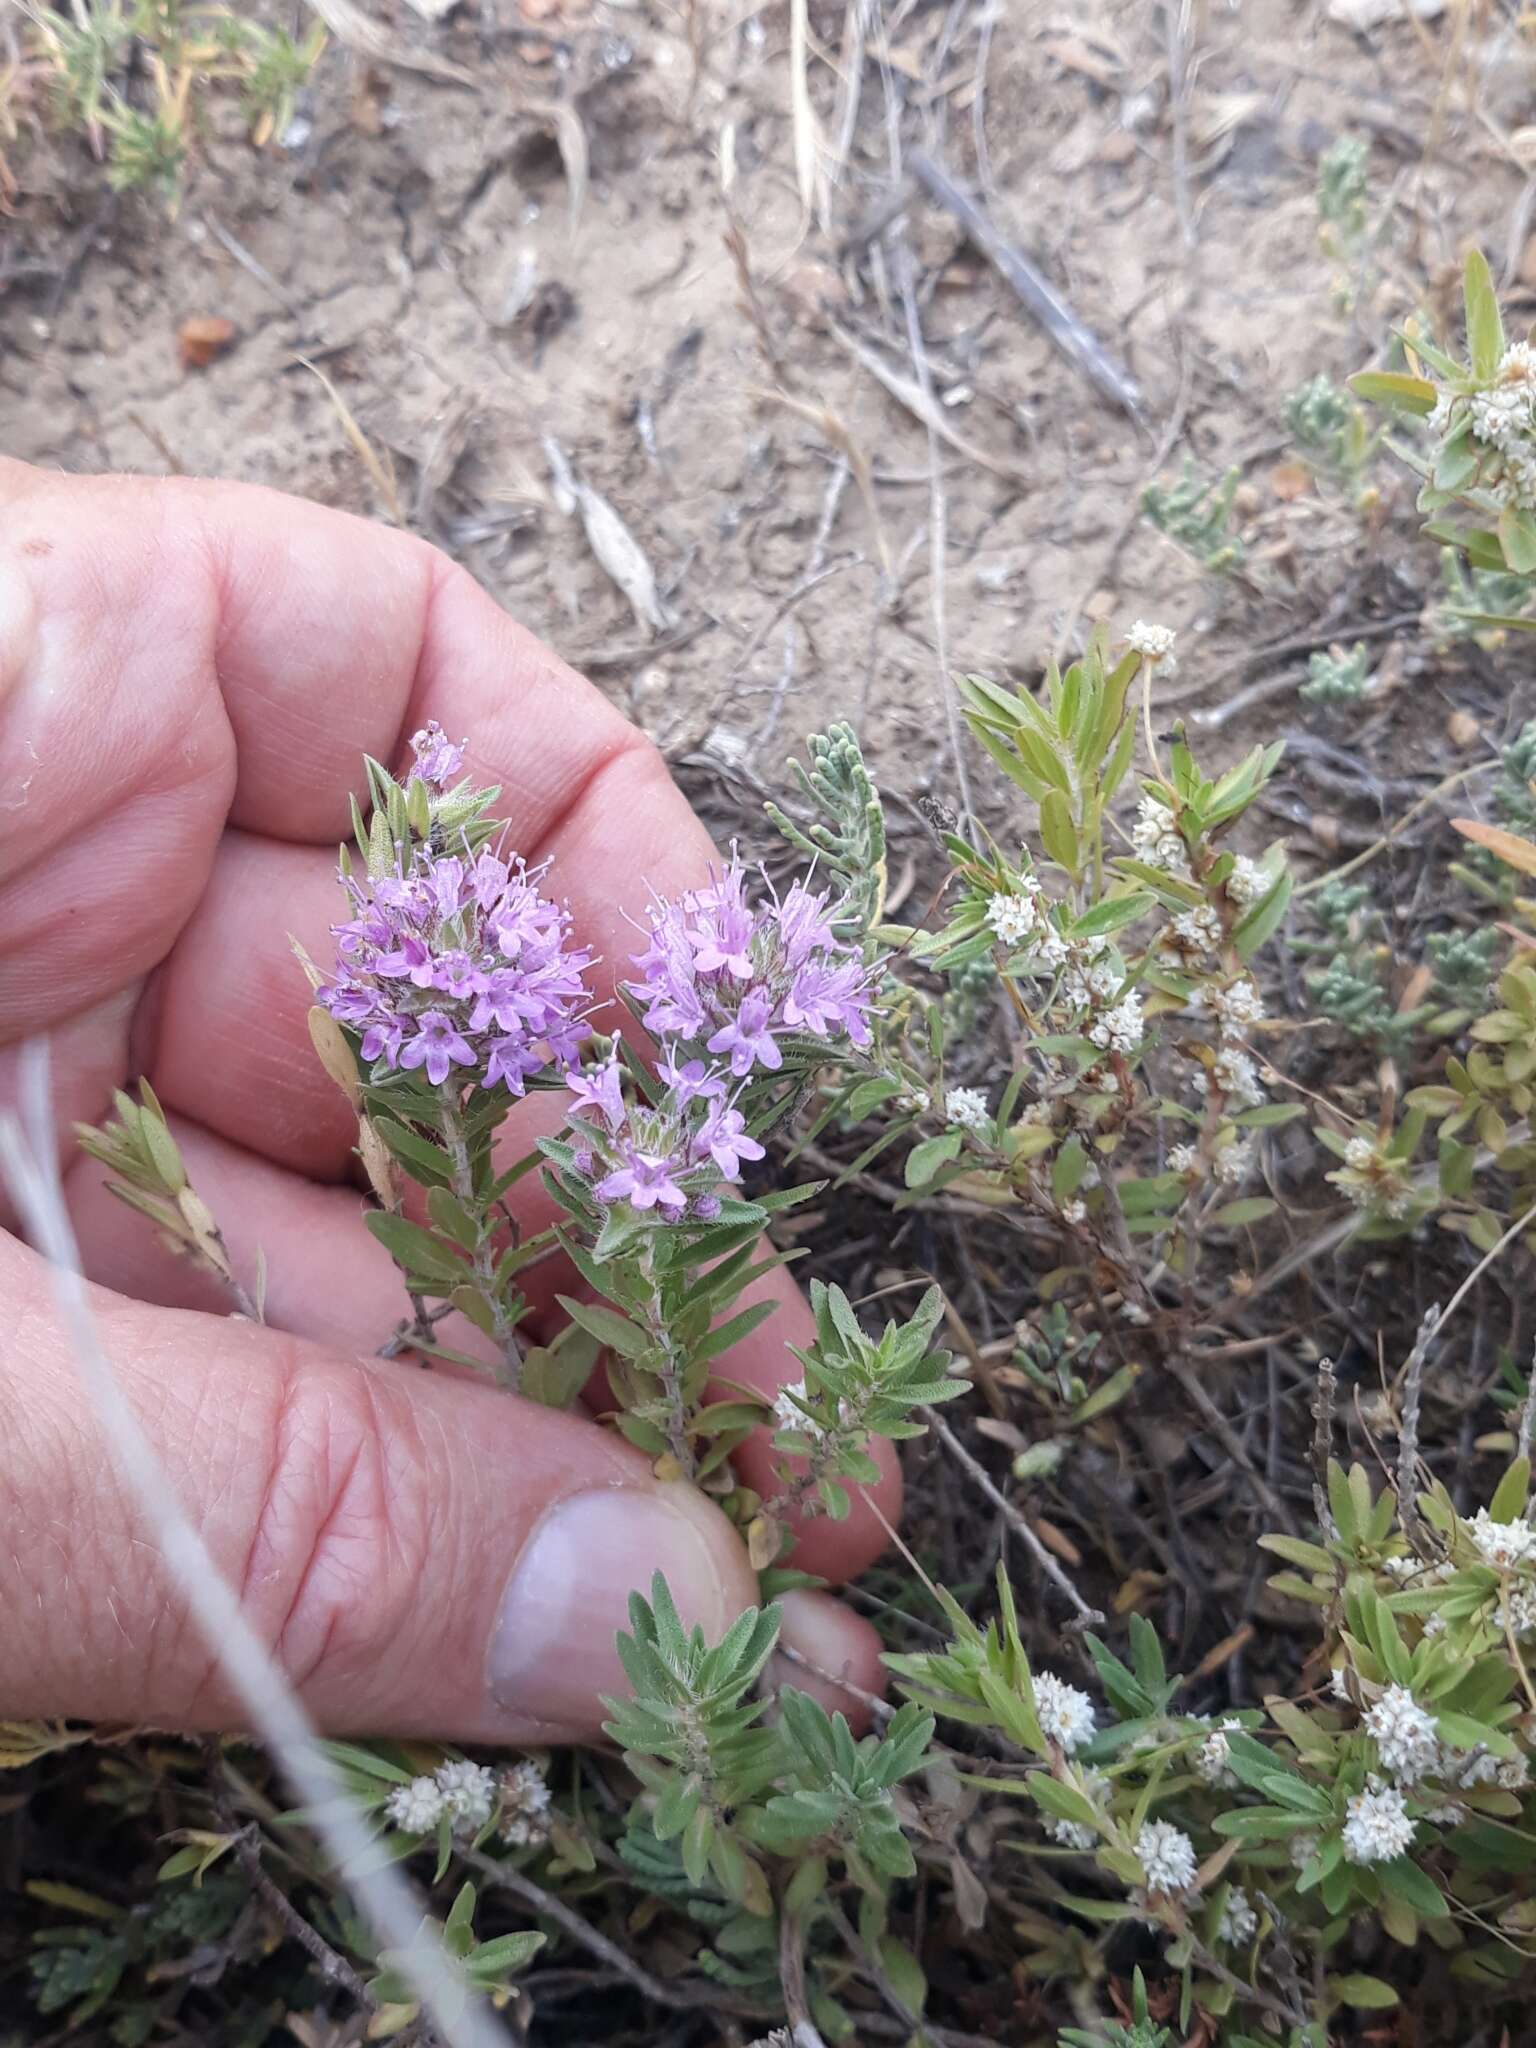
[438, 758]
[459, 967]
[735, 978]
[662, 1157]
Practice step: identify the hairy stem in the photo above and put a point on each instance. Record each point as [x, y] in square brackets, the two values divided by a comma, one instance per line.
[673, 1370]
[503, 1326]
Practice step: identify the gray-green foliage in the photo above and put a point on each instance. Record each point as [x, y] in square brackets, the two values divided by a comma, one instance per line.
[1336, 677]
[848, 835]
[1195, 512]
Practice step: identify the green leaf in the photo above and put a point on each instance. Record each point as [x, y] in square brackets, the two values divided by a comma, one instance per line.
[1512, 1492]
[1485, 330]
[1251, 1209]
[924, 1160]
[1370, 1994]
[1517, 537]
[415, 1250]
[1262, 919]
[1391, 388]
[607, 1326]
[1414, 1887]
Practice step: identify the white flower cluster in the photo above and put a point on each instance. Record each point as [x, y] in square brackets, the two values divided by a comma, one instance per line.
[1462, 1769]
[1156, 841]
[462, 1792]
[1359, 1157]
[1238, 1007]
[1122, 1028]
[1212, 1758]
[1014, 918]
[1247, 881]
[1239, 1923]
[1023, 921]
[1233, 1164]
[1183, 1159]
[1167, 1855]
[1155, 643]
[1404, 1735]
[1076, 1834]
[1377, 1827]
[1236, 1074]
[966, 1109]
[787, 1416]
[1504, 418]
[524, 1805]
[1197, 932]
[1066, 1714]
[1504, 1545]
[1074, 1212]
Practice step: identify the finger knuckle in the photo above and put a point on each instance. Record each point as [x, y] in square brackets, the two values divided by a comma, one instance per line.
[340, 1533]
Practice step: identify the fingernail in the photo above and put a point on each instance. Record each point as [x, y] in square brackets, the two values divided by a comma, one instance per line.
[552, 1651]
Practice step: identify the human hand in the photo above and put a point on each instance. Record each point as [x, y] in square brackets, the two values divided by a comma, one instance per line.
[189, 676]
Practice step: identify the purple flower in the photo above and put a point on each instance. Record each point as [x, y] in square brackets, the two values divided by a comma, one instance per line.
[644, 1181]
[437, 1046]
[707, 1207]
[438, 760]
[411, 960]
[747, 1038]
[723, 1137]
[827, 996]
[805, 925]
[457, 975]
[690, 1080]
[601, 1088]
[458, 963]
[382, 1041]
[511, 1060]
[721, 974]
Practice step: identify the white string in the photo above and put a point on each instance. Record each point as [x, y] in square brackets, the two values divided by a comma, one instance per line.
[390, 1903]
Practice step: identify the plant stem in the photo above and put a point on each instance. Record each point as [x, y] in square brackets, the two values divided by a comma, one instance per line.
[503, 1327]
[672, 1370]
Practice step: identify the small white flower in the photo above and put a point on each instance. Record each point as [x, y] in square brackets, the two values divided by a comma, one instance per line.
[415, 1808]
[1502, 1544]
[1013, 918]
[469, 1793]
[1239, 1007]
[1212, 1758]
[524, 1817]
[1122, 1028]
[1167, 1855]
[1359, 1154]
[1403, 1733]
[1302, 1848]
[1247, 881]
[1074, 1212]
[1239, 1923]
[1233, 1164]
[1198, 928]
[1378, 1827]
[1155, 642]
[1132, 1312]
[966, 1108]
[1050, 951]
[1513, 1773]
[1467, 1767]
[787, 1416]
[1236, 1075]
[1066, 1715]
[1076, 1834]
[1521, 1605]
[1183, 1159]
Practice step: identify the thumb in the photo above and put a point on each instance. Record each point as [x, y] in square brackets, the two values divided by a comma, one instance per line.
[422, 1555]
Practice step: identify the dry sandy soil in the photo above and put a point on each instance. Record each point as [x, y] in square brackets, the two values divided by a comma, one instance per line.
[543, 254]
